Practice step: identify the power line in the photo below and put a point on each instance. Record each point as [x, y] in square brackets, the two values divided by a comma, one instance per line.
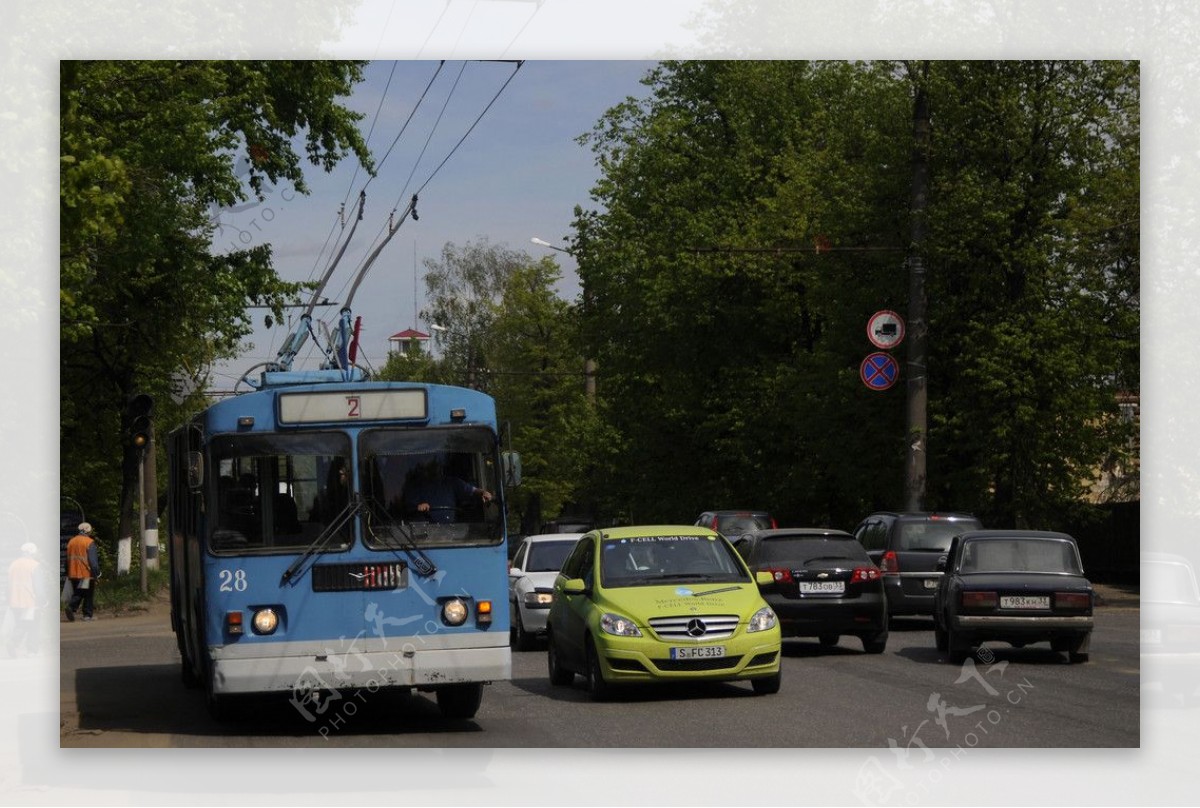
[477, 120]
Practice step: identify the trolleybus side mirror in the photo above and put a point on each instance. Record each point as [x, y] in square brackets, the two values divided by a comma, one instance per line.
[511, 463]
[195, 470]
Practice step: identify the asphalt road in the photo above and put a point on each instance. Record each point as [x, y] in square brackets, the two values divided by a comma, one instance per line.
[120, 687]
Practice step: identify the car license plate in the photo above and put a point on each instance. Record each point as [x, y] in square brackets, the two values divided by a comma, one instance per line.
[698, 652]
[1025, 602]
[822, 587]
[931, 583]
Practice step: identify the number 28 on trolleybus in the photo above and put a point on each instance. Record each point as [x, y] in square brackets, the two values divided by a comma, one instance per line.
[332, 538]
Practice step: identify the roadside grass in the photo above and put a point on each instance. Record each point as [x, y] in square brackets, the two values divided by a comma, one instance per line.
[120, 593]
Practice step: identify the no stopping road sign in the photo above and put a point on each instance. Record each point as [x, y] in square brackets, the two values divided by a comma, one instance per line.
[879, 371]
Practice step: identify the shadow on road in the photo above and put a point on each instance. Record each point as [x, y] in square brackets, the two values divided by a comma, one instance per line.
[152, 699]
[634, 693]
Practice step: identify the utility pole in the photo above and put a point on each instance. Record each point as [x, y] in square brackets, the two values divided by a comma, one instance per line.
[917, 396]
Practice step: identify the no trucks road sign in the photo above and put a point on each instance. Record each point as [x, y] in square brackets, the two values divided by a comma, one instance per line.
[885, 329]
[879, 371]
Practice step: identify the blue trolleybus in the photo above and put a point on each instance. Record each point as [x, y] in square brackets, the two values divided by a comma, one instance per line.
[332, 537]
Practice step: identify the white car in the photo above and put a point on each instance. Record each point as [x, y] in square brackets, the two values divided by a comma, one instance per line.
[531, 583]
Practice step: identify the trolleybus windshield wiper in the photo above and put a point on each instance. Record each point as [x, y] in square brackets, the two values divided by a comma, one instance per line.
[335, 526]
[421, 563]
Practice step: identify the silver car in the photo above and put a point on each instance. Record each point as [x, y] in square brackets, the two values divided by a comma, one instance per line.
[531, 577]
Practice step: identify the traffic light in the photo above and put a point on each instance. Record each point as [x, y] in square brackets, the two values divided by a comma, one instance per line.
[140, 409]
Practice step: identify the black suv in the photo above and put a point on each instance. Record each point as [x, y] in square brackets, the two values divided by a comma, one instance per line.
[906, 546]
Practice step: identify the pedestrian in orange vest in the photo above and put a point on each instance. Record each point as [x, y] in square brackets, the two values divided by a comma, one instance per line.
[26, 596]
[83, 568]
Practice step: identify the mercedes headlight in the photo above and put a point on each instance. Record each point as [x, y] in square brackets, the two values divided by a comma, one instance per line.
[762, 620]
[617, 625]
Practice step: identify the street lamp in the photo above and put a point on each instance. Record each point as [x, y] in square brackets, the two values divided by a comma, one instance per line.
[544, 243]
[466, 338]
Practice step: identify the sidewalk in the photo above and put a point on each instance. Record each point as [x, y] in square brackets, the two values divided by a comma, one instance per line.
[159, 604]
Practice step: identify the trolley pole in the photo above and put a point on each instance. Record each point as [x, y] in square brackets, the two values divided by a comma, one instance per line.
[917, 392]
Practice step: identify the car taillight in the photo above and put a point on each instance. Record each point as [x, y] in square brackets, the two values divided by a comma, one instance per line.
[1072, 600]
[889, 563]
[780, 576]
[979, 600]
[774, 524]
[714, 524]
[863, 574]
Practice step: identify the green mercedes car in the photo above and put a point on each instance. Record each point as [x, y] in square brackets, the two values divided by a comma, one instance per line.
[660, 603]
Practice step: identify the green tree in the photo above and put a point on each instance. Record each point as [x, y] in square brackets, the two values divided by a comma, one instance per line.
[148, 151]
[501, 327]
[414, 366]
[728, 345]
[752, 215]
[536, 373]
[464, 289]
[1033, 281]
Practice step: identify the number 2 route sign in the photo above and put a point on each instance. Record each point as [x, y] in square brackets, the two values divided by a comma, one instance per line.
[885, 329]
[879, 371]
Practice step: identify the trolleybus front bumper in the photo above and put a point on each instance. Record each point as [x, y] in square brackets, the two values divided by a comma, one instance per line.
[416, 661]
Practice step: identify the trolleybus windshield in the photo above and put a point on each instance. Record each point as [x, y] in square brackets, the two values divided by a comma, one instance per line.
[442, 484]
[278, 492]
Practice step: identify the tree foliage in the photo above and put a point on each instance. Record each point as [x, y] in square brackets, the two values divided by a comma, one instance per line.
[750, 218]
[148, 151]
[502, 328]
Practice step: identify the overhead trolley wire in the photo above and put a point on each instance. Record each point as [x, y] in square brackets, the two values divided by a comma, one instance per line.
[507, 81]
[412, 205]
[362, 193]
[371, 131]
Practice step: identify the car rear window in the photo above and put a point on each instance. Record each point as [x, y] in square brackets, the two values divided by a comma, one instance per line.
[1020, 555]
[548, 556]
[798, 550]
[743, 522]
[932, 536]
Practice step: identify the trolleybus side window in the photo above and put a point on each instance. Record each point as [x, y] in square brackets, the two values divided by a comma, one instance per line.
[278, 492]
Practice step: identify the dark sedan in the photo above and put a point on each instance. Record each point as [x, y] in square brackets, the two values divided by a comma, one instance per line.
[1014, 586]
[824, 584]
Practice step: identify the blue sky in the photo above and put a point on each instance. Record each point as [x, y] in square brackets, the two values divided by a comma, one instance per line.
[519, 174]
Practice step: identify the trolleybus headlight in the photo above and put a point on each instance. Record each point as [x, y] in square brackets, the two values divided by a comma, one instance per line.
[265, 621]
[454, 612]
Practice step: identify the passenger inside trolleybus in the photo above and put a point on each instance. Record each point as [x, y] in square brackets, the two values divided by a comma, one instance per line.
[273, 491]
